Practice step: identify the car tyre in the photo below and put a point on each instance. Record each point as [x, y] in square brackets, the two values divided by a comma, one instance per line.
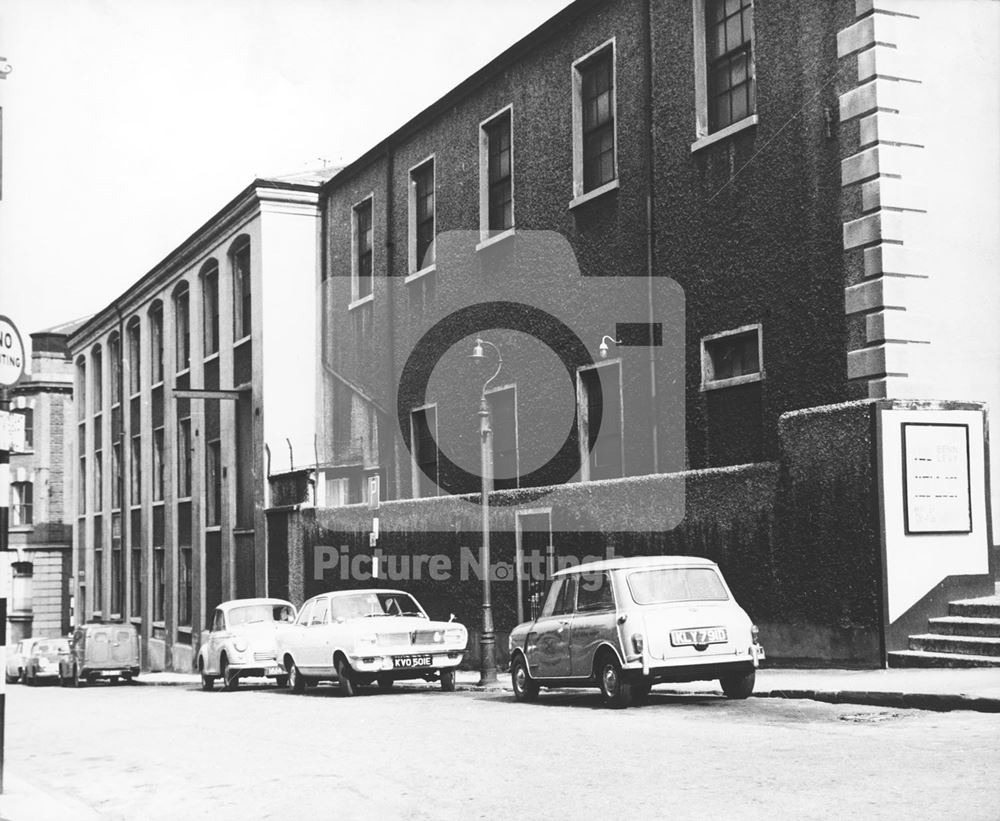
[448, 681]
[640, 692]
[77, 681]
[738, 686]
[615, 690]
[207, 681]
[281, 681]
[385, 683]
[296, 683]
[230, 681]
[345, 676]
[525, 687]
[29, 678]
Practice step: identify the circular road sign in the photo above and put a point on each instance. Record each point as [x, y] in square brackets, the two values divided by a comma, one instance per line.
[11, 353]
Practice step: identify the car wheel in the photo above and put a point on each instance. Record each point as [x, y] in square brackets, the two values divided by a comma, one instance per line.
[738, 686]
[616, 692]
[640, 692]
[29, 679]
[346, 678]
[207, 681]
[525, 687]
[230, 680]
[448, 681]
[385, 683]
[296, 683]
[77, 681]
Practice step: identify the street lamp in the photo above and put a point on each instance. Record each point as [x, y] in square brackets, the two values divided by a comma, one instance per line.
[603, 348]
[487, 640]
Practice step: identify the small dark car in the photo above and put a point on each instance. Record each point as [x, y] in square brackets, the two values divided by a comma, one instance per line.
[108, 651]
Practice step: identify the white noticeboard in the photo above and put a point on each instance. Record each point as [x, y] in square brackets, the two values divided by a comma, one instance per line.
[936, 481]
[11, 353]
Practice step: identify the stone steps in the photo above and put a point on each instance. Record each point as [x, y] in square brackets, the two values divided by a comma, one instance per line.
[918, 658]
[965, 626]
[962, 645]
[969, 636]
[988, 608]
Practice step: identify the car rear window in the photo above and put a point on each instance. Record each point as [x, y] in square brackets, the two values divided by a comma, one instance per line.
[674, 584]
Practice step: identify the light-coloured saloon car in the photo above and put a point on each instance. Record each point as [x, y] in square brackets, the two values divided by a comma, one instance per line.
[625, 624]
[16, 657]
[243, 642]
[356, 637]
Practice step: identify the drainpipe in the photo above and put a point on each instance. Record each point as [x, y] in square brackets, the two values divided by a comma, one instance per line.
[390, 325]
[650, 232]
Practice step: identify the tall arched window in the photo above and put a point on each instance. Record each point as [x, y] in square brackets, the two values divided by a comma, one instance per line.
[240, 258]
[156, 342]
[210, 307]
[134, 356]
[182, 328]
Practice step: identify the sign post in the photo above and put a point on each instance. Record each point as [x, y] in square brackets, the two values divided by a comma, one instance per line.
[11, 370]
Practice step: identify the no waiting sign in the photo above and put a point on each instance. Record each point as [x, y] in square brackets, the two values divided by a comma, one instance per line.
[11, 353]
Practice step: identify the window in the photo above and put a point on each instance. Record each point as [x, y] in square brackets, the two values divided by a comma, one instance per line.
[496, 172]
[29, 426]
[182, 324]
[116, 475]
[600, 420]
[595, 593]
[184, 458]
[98, 575]
[320, 611]
[213, 476]
[81, 494]
[594, 162]
[423, 430]
[158, 464]
[117, 589]
[724, 64]
[81, 388]
[242, 315]
[566, 600]
[210, 308]
[134, 357]
[158, 583]
[115, 361]
[136, 568]
[503, 421]
[361, 270]
[156, 342]
[185, 588]
[98, 481]
[21, 513]
[732, 358]
[135, 472]
[422, 206]
[97, 373]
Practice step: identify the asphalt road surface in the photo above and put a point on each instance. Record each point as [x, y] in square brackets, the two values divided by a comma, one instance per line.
[145, 752]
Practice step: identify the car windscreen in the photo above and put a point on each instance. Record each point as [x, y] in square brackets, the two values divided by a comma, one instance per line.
[251, 613]
[361, 605]
[673, 584]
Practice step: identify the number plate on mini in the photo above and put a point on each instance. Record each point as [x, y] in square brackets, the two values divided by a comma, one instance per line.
[699, 636]
[411, 661]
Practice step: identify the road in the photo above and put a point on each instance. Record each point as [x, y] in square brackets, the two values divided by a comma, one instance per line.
[145, 752]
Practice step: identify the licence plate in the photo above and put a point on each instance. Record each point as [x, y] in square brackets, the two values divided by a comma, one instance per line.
[275, 671]
[411, 661]
[702, 635]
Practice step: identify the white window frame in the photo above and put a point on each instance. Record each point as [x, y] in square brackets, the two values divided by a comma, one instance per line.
[704, 137]
[582, 421]
[517, 439]
[414, 467]
[357, 301]
[708, 382]
[579, 196]
[412, 261]
[485, 240]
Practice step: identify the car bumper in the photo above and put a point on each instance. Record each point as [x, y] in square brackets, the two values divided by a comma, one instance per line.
[108, 672]
[379, 664]
[51, 672]
[259, 668]
[687, 669]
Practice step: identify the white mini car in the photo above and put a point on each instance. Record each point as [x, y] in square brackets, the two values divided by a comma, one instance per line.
[357, 637]
[243, 642]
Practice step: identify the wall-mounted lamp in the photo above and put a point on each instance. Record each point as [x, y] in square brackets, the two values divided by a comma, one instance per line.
[603, 347]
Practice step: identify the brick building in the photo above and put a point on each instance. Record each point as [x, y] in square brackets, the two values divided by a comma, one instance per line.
[40, 505]
[788, 166]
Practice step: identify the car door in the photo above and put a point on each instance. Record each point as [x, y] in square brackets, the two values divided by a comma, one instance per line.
[297, 638]
[121, 647]
[320, 658]
[215, 638]
[594, 621]
[98, 647]
[548, 643]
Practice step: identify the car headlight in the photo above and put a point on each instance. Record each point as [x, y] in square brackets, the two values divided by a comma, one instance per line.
[754, 634]
[637, 642]
[453, 634]
[240, 645]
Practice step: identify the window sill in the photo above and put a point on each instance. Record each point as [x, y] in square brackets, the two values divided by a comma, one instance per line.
[728, 131]
[494, 240]
[184, 629]
[213, 528]
[211, 356]
[182, 372]
[136, 620]
[158, 502]
[593, 195]
[157, 384]
[357, 303]
[430, 269]
[21, 528]
[115, 617]
[732, 382]
[241, 341]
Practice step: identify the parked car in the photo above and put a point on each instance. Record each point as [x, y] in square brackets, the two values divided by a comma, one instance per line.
[357, 637]
[101, 651]
[43, 661]
[625, 624]
[243, 642]
[16, 656]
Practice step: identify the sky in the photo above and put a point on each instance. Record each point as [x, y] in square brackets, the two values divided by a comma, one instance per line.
[128, 123]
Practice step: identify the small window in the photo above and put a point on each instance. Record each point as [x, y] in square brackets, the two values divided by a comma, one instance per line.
[594, 120]
[116, 475]
[422, 211]
[320, 611]
[21, 508]
[567, 597]
[553, 596]
[185, 588]
[305, 613]
[361, 270]
[423, 431]
[496, 175]
[81, 388]
[731, 358]
[29, 426]
[210, 307]
[220, 621]
[600, 422]
[595, 593]
[135, 565]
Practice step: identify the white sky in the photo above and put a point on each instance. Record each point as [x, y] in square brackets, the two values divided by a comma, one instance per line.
[128, 123]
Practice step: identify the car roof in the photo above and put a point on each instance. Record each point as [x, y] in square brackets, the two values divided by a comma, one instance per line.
[229, 605]
[634, 562]
[361, 590]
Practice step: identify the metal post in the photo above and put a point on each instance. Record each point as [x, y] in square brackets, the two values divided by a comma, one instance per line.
[4, 573]
[487, 641]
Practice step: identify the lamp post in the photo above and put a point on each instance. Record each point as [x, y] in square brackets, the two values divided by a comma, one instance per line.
[487, 640]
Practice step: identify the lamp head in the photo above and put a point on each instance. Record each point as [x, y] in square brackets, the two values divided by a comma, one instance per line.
[603, 349]
[477, 351]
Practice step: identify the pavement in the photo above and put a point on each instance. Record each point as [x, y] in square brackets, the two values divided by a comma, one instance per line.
[924, 689]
